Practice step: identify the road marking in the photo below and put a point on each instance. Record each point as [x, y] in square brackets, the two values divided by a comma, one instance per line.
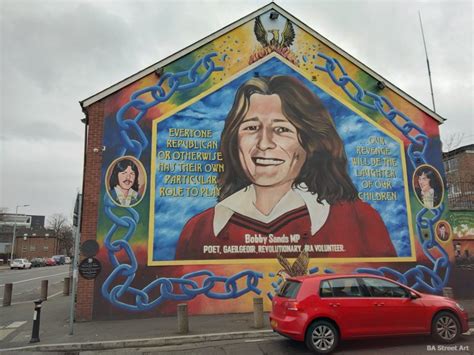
[35, 270]
[36, 278]
[5, 332]
[16, 324]
[56, 294]
[254, 340]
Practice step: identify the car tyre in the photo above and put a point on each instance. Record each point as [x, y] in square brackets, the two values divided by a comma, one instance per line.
[445, 328]
[322, 337]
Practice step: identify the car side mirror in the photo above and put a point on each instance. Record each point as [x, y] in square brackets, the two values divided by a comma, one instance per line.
[413, 295]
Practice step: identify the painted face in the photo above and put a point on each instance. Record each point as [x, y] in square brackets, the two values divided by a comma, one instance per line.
[126, 178]
[269, 150]
[424, 182]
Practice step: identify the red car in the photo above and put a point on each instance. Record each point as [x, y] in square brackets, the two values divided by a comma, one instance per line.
[50, 262]
[322, 309]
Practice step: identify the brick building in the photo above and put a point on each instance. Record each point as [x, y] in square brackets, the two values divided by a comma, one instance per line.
[459, 167]
[29, 242]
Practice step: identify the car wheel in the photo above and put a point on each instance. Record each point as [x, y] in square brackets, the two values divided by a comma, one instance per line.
[322, 337]
[445, 328]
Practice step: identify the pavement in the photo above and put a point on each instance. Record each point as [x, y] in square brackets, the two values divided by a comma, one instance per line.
[118, 334]
[122, 334]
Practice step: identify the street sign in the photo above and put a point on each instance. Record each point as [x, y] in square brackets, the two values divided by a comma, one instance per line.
[89, 248]
[90, 268]
[75, 216]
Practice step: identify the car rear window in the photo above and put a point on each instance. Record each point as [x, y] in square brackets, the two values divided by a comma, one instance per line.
[290, 289]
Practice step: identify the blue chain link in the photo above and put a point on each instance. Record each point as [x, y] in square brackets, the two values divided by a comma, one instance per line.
[117, 286]
[419, 277]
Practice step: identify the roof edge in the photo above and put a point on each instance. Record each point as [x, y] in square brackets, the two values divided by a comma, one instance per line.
[362, 66]
[464, 148]
[137, 76]
[271, 6]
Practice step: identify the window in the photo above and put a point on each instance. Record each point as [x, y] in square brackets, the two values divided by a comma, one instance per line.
[451, 164]
[290, 289]
[23, 248]
[453, 189]
[32, 247]
[382, 288]
[344, 287]
[325, 290]
[45, 248]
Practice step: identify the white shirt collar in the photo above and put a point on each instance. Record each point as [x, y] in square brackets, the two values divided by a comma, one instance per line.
[243, 202]
[125, 201]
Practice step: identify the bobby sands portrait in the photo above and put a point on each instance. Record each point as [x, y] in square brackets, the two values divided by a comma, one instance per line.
[285, 186]
[124, 183]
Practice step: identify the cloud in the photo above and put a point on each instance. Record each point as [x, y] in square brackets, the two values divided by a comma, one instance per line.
[55, 53]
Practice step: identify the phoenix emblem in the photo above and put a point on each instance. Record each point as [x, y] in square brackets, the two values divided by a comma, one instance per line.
[299, 267]
[279, 42]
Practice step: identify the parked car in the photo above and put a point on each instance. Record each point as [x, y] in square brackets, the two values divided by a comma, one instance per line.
[37, 262]
[20, 264]
[323, 309]
[67, 260]
[59, 259]
[50, 262]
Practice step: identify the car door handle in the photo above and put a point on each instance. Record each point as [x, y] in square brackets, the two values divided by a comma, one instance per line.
[334, 304]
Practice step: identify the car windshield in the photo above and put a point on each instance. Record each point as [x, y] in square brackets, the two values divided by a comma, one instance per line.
[17, 260]
[290, 289]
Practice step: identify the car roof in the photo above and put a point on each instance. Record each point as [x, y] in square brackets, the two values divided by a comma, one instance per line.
[331, 276]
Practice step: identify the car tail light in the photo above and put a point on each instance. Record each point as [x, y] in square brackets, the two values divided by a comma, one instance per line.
[292, 306]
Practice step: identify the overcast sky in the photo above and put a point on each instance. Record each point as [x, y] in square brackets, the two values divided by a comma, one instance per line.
[55, 53]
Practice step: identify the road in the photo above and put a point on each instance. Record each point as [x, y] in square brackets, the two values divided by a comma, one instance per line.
[27, 283]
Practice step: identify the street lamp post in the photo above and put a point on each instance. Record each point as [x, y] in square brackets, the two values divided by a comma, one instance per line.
[14, 231]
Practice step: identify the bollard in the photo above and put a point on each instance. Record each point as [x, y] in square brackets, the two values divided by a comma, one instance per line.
[183, 326]
[7, 295]
[448, 292]
[36, 322]
[258, 312]
[44, 290]
[66, 286]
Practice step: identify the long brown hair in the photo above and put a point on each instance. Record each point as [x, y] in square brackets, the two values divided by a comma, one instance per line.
[325, 169]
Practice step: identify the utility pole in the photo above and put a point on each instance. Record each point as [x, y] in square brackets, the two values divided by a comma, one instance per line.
[77, 237]
[427, 62]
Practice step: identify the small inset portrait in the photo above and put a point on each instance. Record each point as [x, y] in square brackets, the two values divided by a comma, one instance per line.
[428, 186]
[126, 181]
[443, 231]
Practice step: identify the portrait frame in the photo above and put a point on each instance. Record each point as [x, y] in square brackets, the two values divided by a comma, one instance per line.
[449, 231]
[142, 180]
[155, 185]
[436, 182]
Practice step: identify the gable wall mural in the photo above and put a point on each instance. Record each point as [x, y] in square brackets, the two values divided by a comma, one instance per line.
[262, 154]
